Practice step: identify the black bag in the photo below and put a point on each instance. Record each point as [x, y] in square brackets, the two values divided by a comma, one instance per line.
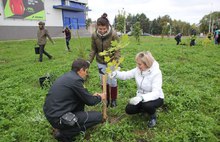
[69, 119]
[37, 50]
[45, 81]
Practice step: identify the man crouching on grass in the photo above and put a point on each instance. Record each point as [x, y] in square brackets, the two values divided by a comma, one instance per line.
[65, 102]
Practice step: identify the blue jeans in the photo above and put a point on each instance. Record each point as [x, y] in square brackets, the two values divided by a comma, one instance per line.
[102, 69]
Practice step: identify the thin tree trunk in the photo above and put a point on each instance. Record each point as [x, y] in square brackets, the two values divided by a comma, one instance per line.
[104, 107]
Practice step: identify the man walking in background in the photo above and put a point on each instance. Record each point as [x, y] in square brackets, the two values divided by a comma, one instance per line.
[42, 35]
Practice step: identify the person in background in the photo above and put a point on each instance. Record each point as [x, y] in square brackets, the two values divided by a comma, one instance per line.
[101, 40]
[42, 35]
[193, 38]
[148, 77]
[178, 38]
[67, 36]
[67, 98]
[215, 33]
[217, 37]
[209, 36]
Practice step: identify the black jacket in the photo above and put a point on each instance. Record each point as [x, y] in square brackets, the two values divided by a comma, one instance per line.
[68, 95]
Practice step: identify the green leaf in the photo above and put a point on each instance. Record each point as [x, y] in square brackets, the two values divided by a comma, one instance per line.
[103, 53]
[107, 59]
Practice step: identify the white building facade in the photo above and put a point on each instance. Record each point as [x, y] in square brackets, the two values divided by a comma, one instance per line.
[19, 18]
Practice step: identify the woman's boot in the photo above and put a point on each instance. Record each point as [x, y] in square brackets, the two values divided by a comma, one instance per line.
[114, 94]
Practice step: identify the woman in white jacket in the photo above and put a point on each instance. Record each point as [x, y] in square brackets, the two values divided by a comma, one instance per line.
[148, 77]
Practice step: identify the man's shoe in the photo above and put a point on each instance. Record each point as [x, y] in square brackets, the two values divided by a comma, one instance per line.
[57, 134]
[152, 123]
[113, 103]
[50, 57]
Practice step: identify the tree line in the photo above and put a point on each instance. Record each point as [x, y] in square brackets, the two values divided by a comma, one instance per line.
[165, 25]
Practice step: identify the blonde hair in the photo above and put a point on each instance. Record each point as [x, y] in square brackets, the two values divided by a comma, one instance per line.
[146, 58]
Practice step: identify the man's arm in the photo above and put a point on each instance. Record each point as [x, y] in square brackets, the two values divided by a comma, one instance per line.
[47, 34]
[84, 95]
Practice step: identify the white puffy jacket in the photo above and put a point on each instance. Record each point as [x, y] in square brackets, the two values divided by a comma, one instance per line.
[149, 82]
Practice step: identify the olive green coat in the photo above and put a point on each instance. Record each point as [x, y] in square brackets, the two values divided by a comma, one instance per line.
[42, 35]
[100, 43]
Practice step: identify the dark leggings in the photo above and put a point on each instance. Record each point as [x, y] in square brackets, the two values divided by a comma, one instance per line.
[85, 120]
[67, 42]
[144, 107]
[178, 41]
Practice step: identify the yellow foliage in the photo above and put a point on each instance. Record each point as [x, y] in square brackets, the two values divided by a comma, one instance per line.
[115, 46]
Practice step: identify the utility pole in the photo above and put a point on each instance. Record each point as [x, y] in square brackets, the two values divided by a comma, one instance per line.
[210, 21]
[168, 24]
[124, 14]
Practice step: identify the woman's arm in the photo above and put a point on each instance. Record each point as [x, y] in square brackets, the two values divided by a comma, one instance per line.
[124, 75]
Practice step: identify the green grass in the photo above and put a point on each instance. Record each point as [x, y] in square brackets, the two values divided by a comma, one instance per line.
[191, 80]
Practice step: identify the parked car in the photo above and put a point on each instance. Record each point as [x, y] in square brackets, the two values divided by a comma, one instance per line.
[119, 34]
[146, 34]
[129, 33]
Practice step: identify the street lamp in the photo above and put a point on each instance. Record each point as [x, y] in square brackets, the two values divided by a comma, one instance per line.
[168, 24]
[124, 14]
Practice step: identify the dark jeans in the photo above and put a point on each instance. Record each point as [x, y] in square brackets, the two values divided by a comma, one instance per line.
[67, 43]
[85, 120]
[42, 51]
[178, 41]
[192, 42]
[144, 107]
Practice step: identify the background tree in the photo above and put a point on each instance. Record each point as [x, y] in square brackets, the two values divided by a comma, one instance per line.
[145, 24]
[205, 24]
[129, 23]
[121, 21]
[164, 20]
[155, 27]
[88, 22]
[137, 31]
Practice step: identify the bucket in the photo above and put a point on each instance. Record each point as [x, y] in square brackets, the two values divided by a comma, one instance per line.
[37, 50]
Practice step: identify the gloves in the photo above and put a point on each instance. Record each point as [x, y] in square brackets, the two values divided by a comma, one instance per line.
[135, 100]
[112, 75]
[88, 62]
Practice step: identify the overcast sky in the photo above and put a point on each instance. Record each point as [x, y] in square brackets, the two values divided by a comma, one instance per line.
[185, 10]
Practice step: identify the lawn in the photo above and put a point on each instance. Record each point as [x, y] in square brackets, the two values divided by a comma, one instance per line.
[191, 84]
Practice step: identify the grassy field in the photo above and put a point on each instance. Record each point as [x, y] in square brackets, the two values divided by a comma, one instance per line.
[191, 84]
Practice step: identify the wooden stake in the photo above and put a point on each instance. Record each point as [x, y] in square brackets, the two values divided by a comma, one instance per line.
[104, 107]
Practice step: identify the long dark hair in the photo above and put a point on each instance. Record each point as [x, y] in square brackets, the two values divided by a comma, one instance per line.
[103, 20]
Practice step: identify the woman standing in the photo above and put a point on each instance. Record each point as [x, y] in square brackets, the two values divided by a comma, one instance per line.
[101, 40]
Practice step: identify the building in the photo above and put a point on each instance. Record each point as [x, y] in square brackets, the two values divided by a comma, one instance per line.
[19, 18]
